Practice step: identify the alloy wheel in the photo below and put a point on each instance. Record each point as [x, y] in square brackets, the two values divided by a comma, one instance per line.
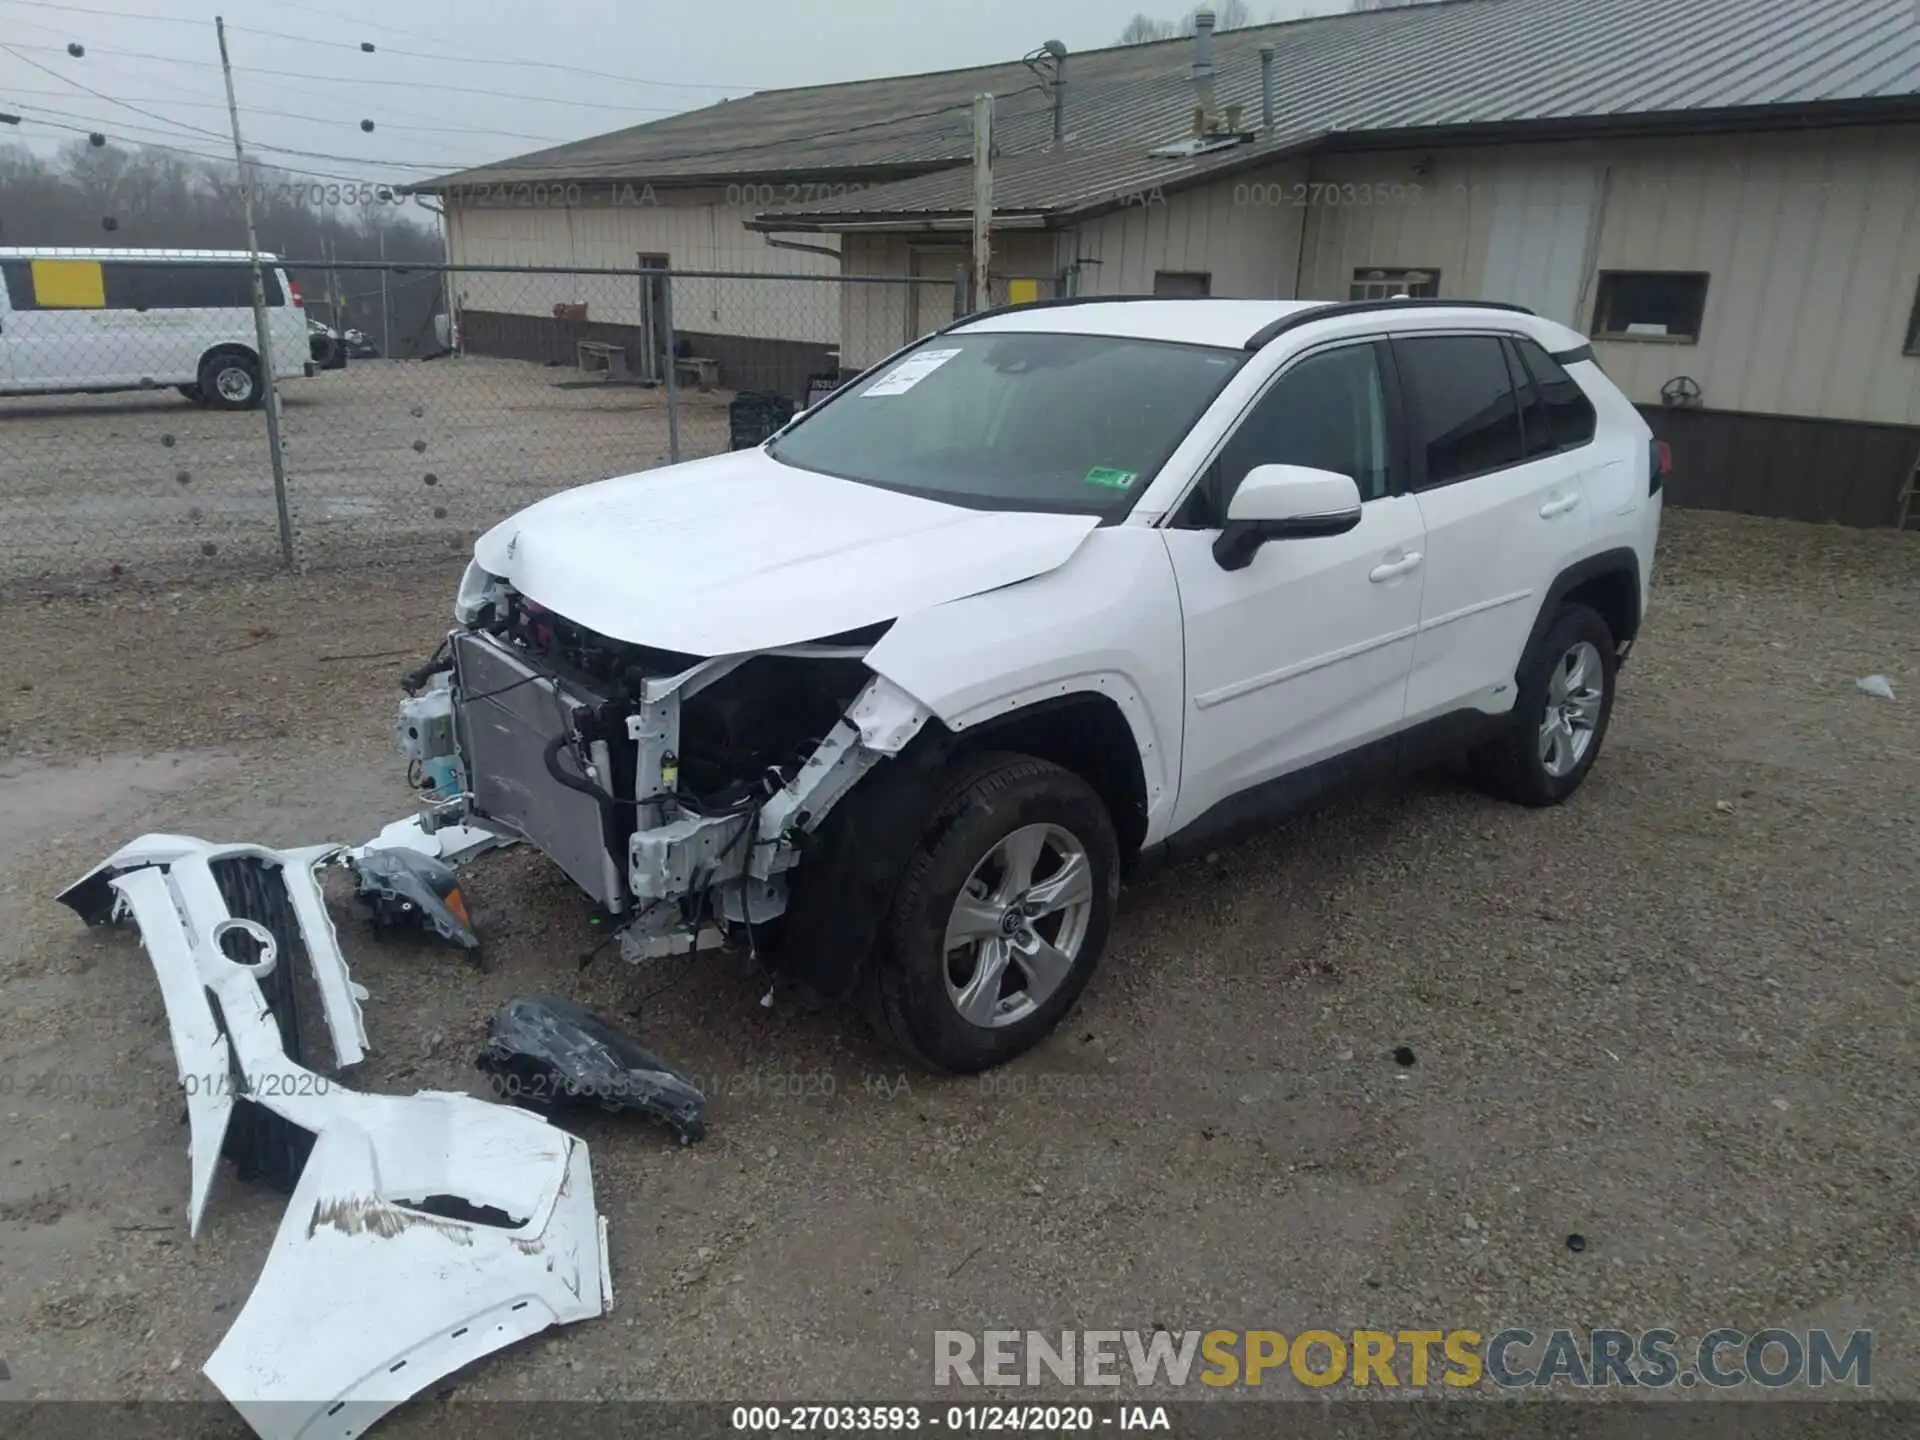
[1017, 925]
[1574, 695]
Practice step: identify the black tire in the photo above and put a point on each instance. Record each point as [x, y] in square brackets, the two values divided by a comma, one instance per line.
[226, 367]
[264, 1147]
[987, 797]
[1512, 767]
[193, 393]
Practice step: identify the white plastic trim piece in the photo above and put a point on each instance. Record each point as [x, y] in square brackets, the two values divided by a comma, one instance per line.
[366, 1299]
[451, 843]
[201, 1056]
[339, 996]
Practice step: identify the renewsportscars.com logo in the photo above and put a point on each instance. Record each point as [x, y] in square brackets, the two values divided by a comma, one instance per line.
[1508, 1359]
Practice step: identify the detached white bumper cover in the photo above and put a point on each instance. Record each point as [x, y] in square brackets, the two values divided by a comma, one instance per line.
[426, 1230]
[366, 1300]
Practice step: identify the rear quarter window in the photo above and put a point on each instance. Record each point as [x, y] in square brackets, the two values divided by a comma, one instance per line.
[1570, 420]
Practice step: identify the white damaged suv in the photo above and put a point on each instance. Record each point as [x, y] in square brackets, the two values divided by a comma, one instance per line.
[897, 698]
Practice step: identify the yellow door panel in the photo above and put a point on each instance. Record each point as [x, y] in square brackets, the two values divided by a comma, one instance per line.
[69, 285]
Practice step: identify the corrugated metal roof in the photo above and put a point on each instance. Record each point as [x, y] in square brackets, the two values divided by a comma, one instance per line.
[1450, 63]
[1033, 185]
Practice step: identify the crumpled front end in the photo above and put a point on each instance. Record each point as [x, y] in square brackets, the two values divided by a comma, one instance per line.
[676, 790]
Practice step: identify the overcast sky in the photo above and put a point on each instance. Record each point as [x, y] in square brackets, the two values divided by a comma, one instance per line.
[164, 60]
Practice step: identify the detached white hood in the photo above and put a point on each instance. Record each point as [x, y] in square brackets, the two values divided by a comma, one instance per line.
[738, 553]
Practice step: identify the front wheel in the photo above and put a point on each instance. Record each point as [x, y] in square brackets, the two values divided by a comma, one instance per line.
[1001, 916]
[1560, 718]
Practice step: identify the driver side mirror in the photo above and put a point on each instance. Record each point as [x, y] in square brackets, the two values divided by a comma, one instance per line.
[1284, 502]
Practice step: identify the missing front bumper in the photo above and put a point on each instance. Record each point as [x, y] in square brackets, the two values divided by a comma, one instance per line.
[548, 759]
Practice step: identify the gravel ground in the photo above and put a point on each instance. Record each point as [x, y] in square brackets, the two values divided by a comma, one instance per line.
[1675, 1016]
[383, 459]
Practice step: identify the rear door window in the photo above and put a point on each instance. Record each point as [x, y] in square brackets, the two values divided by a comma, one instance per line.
[1461, 405]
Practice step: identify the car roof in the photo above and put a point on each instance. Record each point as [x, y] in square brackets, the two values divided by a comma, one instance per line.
[1225, 323]
[1250, 324]
[91, 252]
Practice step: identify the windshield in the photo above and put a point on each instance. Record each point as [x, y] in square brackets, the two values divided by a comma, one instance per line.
[1072, 423]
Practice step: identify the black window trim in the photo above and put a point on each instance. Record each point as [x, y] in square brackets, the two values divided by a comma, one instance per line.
[1525, 388]
[1398, 443]
[1911, 345]
[1520, 356]
[1705, 277]
[1417, 453]
[117, 265]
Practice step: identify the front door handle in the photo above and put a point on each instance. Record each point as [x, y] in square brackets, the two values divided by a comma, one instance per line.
[1558, 507]
[1393, 569]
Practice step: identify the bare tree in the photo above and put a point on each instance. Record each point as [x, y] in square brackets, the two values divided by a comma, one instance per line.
[1143, 28]
[1227, 15]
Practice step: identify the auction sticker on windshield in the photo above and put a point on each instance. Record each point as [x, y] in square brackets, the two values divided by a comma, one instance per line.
[909, 373]
[1111, 478]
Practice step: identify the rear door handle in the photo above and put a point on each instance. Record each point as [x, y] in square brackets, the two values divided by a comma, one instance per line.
[1558, 507]
[1393, 569]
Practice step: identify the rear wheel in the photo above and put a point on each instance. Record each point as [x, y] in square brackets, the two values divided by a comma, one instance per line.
[263, 1146]
[230, 380]
[1561, 716]
[1001, 916]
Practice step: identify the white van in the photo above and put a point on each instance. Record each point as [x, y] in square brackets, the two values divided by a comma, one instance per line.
[95, 320]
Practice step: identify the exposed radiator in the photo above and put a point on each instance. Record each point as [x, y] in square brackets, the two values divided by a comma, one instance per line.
[507, 711]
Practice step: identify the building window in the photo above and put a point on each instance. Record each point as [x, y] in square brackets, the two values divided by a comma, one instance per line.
[1650, 305]
[1913, 325]
[1373, 284]
[1182, 282]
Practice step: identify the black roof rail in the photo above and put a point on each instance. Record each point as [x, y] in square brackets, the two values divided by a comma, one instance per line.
[1336, 309]
[1057, 303]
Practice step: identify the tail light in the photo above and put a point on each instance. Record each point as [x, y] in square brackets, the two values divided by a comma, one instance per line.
[1661, 467]
[293, 289]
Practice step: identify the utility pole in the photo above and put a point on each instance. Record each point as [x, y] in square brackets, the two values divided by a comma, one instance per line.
[386, 314]
[982, 200]
[333, 292]
[262, 334]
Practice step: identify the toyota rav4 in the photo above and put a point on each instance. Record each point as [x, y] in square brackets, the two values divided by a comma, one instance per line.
[896, 698]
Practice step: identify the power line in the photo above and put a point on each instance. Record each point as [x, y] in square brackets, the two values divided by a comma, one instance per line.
[525, 64]
[383, 50]
[225, 161]
[315, 119]
[69, 80]
[364, 80]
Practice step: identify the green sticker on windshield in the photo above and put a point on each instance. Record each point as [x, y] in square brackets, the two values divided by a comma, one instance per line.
[1111, 478]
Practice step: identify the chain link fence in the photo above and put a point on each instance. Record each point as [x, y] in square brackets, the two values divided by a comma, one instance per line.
[524, 382]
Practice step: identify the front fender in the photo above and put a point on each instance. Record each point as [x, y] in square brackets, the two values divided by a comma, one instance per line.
[1107, 622]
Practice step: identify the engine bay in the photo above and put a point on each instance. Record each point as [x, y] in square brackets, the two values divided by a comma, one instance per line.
[675, 789]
